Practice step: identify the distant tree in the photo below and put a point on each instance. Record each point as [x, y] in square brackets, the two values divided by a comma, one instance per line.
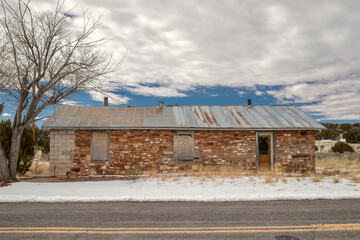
[352, 136]
[344, 127]
[342, 147]
[42, 139]
[330, 125]
[43, 60]
[328, 134]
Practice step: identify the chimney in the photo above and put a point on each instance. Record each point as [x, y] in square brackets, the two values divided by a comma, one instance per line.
[249, 103]
[106, 101]
[161, 104]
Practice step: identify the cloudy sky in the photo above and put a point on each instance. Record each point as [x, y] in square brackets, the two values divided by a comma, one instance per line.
[305, 53]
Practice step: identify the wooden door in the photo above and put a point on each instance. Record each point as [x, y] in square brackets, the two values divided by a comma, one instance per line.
[264, 151]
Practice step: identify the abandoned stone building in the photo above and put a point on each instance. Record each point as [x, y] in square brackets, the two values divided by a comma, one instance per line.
[106, 140]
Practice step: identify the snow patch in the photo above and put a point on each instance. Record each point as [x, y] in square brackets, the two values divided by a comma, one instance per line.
[184, 189]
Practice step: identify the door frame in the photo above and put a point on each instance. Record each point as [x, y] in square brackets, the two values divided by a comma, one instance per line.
[271, 148]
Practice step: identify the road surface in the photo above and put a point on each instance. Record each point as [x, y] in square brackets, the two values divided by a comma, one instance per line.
[318, 219]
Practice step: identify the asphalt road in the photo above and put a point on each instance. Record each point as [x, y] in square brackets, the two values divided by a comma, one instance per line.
[319, 219]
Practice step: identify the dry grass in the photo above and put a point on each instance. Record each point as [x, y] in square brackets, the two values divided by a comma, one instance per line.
[338, 161]
[346, 166]
[152, 173]
[316, 179]
[39, 167]
[27, 175]
[335, 166]
[269, 179]
[201, 172]
[355, 179]
[35, 168]
[205, 173]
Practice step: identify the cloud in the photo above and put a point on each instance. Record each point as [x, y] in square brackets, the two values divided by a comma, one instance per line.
[258, 93]
[113, 98]
[155, 91]
[308, 47]
[333, 100]
[69, 102]
[241, 93]
[6, 114]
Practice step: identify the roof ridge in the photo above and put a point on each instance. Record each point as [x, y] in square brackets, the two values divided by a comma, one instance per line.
[176, 105]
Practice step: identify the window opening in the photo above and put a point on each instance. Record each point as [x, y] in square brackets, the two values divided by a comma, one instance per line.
[99, 146]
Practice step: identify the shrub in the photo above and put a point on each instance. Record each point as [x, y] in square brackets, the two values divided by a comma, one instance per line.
[26, 152]
[316, 148]
[352, 136]
[328, 134]
[134, 171]
[342, 147]
[5, 136]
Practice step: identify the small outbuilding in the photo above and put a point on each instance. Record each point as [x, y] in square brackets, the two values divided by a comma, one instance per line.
[88, 140]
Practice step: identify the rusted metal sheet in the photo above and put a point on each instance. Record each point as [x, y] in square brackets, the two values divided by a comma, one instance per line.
[183, 117]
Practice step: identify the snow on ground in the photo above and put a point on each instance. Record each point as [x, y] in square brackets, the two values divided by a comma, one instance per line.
[183, 189]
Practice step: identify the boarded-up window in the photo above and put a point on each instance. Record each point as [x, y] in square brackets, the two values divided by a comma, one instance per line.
[184, 147]
[99, 146]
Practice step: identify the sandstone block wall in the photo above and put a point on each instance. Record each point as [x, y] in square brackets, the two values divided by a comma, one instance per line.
[290, 145]
[154, 148]
[62, 143]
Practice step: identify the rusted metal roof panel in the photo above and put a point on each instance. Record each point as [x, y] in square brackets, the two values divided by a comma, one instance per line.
[182, 117]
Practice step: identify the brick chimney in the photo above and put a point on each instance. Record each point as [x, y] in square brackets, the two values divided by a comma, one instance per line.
[161, 104]
[249, 103]
[106, 101]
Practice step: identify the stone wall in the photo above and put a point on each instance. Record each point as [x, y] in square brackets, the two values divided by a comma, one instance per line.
[289, 148]
[154, 148]
[61, 145]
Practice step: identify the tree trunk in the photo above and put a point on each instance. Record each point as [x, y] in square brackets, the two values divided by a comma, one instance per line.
[14, 153]
[4, 168]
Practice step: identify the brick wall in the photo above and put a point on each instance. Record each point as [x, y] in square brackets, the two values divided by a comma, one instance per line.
[154, 148]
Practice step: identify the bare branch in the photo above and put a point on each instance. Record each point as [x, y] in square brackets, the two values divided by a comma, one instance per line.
[46, 52]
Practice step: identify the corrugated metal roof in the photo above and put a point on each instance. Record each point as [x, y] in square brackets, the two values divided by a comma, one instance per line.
[182, 117]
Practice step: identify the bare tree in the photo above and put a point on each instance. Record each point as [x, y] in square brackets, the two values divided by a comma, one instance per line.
[2, 107]
[42, 62]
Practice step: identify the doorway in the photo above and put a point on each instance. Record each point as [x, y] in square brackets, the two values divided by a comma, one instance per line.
[264, 151]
